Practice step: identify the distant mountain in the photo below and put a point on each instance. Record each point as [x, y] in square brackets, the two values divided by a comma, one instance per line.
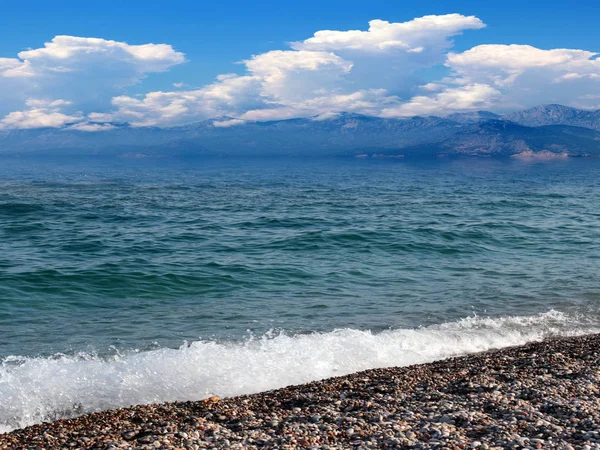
[473, 117]
[551, 128]
[556, 115]
[503, 138]
[295, 136]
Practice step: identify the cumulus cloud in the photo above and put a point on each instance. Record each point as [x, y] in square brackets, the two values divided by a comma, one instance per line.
[427, 34]
[527, 76]
[8, 65]
[91, 127]
[393, 56]
[449, 100]
[67, 53]
[85, 71]
[230, 95]
[290, 76]
[227, 123]
[329, 73]
[388, 70]
[40, 114]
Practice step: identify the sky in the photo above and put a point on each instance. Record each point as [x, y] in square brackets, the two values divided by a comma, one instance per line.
[89, 65]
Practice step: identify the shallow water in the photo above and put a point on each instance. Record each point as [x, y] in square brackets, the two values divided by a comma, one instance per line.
[154, 280]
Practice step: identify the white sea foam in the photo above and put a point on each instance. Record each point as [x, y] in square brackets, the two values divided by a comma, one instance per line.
[37, 389]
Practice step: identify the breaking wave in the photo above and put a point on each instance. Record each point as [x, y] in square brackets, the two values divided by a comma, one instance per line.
[33, 390]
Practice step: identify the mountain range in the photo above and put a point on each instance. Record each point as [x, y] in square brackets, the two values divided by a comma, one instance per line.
[543, 130]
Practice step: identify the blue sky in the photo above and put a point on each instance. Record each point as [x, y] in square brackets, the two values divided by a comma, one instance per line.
[213, 38]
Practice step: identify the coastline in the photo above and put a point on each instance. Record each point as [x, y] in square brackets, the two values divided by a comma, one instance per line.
[540, 395]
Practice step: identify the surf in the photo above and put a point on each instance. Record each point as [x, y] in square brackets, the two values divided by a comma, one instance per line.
[37, 389]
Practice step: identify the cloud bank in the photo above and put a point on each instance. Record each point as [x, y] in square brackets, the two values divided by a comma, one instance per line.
[69, 77]
[388, 70]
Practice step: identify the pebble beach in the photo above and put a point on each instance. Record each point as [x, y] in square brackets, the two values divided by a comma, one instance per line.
[541, 395]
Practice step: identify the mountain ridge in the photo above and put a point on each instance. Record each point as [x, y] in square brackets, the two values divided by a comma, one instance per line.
[478, 133]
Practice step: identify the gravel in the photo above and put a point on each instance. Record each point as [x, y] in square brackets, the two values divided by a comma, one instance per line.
[541, 395]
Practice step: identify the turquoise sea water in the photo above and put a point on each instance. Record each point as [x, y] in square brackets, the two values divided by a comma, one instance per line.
[130, 281]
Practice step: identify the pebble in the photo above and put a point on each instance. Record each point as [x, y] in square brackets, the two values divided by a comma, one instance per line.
[539, 396]
[128, 435]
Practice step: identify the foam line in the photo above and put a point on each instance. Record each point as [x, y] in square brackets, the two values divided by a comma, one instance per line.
[33, 390]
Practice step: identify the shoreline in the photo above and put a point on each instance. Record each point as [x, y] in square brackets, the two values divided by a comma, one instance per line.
[539, 395]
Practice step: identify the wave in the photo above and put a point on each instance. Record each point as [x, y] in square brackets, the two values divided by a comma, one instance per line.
[19, 208]
[34, 390]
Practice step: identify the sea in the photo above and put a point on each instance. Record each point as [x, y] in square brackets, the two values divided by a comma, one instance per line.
[142, 280]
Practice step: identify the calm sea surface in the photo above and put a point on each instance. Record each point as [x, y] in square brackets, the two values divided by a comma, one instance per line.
[130, 281]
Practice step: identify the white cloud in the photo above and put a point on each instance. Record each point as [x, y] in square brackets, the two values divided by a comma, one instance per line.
[229, 95]
[91, 127]
[367, 102]
[276, 84]
[517, 58]
[414, 36]
[449, 100]
[528, 76]
[86, 71]
[391, 55]
[291, 76]
[277, 63]
[332, 72]
[227, 123]
[387, 70]
[39, 114]
[432, 87]
[78, 54]
[8, 65]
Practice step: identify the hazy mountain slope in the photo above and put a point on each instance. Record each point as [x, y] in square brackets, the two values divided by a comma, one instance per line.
[295, 136]
[480, 132]
[109, 141]
[556, 115]
[473, 117]
[305, 136]
[503, 138]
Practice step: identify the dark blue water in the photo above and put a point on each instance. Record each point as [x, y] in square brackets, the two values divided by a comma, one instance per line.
[278, 270]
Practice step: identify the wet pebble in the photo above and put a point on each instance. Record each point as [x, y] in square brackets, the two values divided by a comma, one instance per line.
[539, 396]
